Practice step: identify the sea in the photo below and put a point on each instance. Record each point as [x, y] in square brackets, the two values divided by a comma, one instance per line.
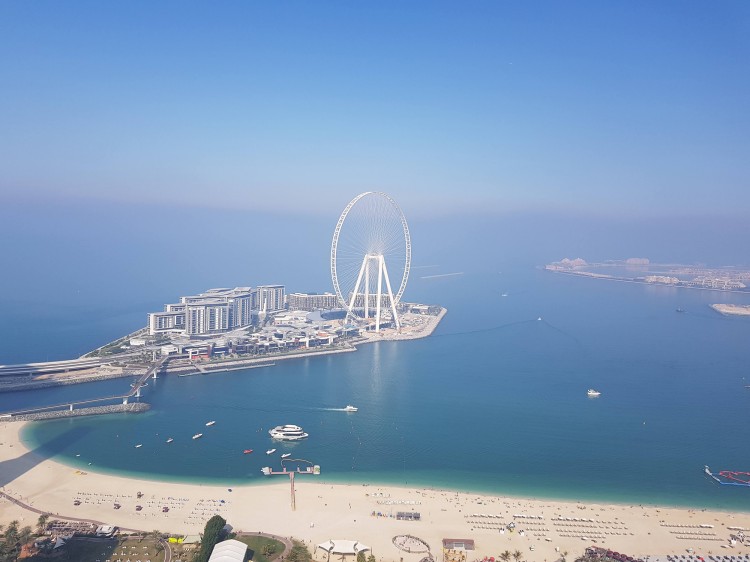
[493, 402]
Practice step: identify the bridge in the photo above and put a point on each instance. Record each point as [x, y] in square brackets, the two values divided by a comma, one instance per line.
[135, 391]
[65, 366]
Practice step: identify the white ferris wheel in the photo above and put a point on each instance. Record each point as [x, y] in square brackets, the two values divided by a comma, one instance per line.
[370, 258]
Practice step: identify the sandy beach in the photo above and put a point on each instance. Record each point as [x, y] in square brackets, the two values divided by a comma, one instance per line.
[326, 511]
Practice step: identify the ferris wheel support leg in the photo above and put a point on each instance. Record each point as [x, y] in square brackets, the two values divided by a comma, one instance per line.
[367, 288]
[356, 288]
[390, 297]
[381, 264]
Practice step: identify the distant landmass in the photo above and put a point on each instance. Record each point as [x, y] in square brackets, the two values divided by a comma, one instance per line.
[642, 270]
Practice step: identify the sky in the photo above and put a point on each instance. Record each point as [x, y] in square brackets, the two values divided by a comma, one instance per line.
[628, 110]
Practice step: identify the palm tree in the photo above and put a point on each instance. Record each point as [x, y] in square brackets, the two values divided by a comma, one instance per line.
[25, 534]
[41, 523]
[517, 555]
[505, 555]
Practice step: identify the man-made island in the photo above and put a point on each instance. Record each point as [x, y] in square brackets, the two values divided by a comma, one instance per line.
[732, 309]
[227, 329]
[641, 270]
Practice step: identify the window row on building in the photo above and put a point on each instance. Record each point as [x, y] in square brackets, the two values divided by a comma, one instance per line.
[217, 310]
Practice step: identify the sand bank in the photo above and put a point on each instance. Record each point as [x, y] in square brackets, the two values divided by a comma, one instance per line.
[326, 511]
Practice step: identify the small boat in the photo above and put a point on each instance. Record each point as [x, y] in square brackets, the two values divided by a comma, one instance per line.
[197, 436]
[286, 455]
[139, 445]
[170, 440]
[209, 424]
[593, 393]
[504, 295]
[350, 408]
[247, 451]
[270, 451]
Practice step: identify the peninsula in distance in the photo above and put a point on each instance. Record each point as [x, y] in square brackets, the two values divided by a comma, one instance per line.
[642, 270]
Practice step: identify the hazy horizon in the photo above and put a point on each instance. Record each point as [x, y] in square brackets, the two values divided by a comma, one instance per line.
[616, 109]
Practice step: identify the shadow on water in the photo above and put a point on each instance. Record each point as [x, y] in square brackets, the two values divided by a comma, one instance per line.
[11, 469]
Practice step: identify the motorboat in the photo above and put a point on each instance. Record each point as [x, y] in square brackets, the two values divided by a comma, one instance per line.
[247, 451]
[139, 445]
[287, 433]
[197, 436]
[270, 451]
[170, 440]
[286, 455]
[350, 408]
[209, 424]
[593, 393]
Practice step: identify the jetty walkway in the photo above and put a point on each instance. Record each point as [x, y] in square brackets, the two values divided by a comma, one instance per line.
[135, 391]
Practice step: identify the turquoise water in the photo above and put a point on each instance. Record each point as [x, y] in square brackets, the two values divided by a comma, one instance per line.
[494, 401]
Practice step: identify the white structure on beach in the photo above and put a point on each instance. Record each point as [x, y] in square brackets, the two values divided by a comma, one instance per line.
[228, 551]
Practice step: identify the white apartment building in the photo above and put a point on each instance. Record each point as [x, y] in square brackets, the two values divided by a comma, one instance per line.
[269, 298]
[216, 310]
[312, 301]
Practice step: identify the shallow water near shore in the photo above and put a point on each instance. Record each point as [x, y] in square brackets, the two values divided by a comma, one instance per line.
[495, 401]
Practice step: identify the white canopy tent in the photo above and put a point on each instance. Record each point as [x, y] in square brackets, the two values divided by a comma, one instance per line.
[340, 546]
[228, 551]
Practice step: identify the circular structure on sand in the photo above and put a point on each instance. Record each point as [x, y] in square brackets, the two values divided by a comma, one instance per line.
[410, 543]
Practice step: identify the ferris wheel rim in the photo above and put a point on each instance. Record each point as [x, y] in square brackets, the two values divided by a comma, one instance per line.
[407, 245]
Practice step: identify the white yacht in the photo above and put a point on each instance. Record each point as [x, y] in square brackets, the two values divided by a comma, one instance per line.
[350, 408]
[270, 451]
[287, 433]
[197, 436]
[593, 393]
[286, 455]
[209, 424]
[139, 445]
[170, 440]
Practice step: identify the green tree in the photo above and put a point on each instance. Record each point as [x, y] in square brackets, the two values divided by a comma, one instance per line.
[299, 553]
[517, 555]
[25, 534]
[212, 533]
[41, 523]
[371, 558]
[361, 557]
[505, 555]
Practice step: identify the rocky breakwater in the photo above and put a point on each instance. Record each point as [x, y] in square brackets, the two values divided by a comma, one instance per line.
[92, 411]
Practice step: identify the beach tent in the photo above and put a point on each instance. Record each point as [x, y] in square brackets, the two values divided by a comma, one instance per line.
[229, 551]
[339, 546]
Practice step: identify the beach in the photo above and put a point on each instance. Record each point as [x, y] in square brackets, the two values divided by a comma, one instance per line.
[365, 513]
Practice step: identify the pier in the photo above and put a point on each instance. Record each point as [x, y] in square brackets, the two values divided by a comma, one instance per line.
[135, 391]
[312, 469]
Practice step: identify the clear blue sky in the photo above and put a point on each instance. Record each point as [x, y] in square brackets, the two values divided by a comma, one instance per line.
[599, 108]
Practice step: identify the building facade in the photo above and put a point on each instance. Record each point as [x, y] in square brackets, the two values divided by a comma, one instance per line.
[311, 301]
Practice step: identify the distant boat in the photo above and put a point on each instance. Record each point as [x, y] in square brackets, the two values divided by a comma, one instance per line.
[209, 424]
[285, 455]
[247, 451]
[504, 295]
[593, 393]
[139, 445]
[539, 318]
[350, 408]
[270, 451]
[197, 436]
[170, 440]
[679, 310]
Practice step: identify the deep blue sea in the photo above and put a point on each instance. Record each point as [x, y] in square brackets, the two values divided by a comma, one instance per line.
[495, 401]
